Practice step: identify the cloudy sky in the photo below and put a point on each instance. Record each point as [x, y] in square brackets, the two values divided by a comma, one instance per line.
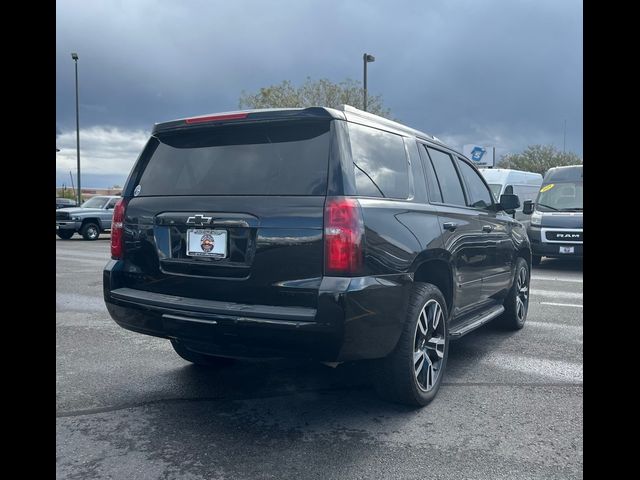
[503, 73]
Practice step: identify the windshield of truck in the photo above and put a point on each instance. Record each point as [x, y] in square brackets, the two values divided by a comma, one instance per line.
[562, 197]
[95, 202]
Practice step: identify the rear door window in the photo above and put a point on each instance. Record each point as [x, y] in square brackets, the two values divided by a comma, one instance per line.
[260, 159]
[450, 185]
[380, 162]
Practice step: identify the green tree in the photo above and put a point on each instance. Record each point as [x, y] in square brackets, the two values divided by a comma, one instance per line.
[319, 93]
[538, 159]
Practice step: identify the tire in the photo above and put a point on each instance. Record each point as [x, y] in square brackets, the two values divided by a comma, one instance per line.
[395, 378]
[198, 358]
[90, 231]
[65, 234]
[535, 260]
[516, 305]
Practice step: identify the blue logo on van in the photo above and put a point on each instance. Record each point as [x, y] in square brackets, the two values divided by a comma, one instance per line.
[477, 153]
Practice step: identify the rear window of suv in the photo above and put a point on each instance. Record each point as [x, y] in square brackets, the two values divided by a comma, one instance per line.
[258, 159]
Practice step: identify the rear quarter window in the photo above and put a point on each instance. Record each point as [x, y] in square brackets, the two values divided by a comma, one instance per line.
[380, 163]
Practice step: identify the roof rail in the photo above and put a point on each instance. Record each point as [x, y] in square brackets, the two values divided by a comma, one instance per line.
[391, 123]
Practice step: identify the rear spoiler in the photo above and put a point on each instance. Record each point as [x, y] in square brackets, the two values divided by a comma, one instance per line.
[248, 116]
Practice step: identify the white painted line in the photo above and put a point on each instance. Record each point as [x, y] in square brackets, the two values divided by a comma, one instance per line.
[555, 294]
[553, 369]
[562, 304]
[66, 302]
[86, 261]
[71, 253]
[556, 279]
[574, 329]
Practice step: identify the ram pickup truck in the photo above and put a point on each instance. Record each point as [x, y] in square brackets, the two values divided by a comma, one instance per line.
[91, 219]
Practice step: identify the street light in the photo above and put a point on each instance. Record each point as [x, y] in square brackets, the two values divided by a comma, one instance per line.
[366, 58]
[75, 58]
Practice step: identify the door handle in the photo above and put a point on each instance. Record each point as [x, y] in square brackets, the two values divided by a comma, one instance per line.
[451, 226]
[487, 228]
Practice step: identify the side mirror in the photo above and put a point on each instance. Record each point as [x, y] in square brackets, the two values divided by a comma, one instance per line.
[527, 207]
[509, 203]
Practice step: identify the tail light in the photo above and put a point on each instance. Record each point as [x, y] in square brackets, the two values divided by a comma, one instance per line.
[343, 237]
[117, 226]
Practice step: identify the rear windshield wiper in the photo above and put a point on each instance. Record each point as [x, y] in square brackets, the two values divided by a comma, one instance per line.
[546, 206]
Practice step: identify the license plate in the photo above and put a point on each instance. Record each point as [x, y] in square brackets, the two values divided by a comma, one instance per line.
[566, 249]
[206, 243]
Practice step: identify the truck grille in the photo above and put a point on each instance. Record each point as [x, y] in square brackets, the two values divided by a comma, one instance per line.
[560, 236]
[62, 215]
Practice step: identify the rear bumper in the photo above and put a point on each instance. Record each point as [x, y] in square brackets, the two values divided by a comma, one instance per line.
[355, 318]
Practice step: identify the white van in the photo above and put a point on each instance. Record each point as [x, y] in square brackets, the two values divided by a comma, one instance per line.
[525, 185]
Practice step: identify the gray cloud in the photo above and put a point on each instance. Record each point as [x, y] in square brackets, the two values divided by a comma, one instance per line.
[107, 154]
[497, 72]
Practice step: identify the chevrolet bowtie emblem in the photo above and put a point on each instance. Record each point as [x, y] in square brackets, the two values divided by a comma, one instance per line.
[198, 220]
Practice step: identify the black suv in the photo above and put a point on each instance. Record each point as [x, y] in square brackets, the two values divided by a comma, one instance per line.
[322, 233]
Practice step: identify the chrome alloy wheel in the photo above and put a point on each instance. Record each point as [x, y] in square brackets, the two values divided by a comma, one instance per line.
[522, 294]
[92, 233]
[429, 345]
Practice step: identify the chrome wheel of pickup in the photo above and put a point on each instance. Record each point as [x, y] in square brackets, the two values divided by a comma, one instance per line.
[90, 231]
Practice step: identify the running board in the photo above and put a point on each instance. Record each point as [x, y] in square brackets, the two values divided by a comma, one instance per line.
[476, 321]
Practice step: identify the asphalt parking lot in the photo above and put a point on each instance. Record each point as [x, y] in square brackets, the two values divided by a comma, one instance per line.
[129, 408]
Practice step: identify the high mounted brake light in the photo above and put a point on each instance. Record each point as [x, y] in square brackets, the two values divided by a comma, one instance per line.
[211, 118]
[117, 227]
[343, 237]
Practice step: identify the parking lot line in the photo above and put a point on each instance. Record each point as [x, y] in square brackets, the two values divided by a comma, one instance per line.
[562, 304]
[559, 370]
[555, 294]
[572, 329]
[87, 261]
[556, 279]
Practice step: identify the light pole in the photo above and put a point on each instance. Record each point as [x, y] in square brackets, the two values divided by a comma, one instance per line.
[75, 58]
[366, 58]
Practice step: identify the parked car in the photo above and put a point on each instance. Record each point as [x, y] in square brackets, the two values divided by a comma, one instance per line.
[91, 219]
[556, 216]
[323, 233]
[523, 184]
[64, 202]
